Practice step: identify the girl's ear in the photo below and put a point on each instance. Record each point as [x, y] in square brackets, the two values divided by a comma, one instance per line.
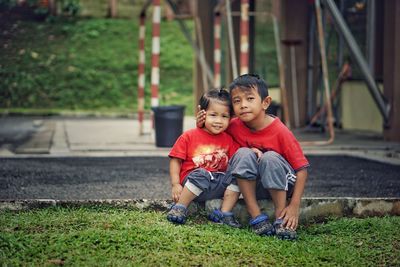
[266, 102]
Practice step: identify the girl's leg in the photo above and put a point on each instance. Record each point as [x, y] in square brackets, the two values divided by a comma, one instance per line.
[186, 197]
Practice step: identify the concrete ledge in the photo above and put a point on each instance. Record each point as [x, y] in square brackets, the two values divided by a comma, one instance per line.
[312, 209]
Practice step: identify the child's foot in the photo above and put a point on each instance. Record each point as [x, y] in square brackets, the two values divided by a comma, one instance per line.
[177, 214]
[282, 232]
[262, 226]
[227, 218]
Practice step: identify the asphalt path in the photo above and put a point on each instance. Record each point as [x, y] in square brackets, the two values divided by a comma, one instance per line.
[147, 177]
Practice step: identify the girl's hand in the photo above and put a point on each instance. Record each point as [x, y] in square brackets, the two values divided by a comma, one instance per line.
[200, 117]
[176, 192]
[258, 152]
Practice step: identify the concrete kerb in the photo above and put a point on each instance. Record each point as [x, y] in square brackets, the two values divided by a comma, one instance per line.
[312, 208]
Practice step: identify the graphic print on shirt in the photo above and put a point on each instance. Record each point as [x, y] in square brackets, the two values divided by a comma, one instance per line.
[210, 157]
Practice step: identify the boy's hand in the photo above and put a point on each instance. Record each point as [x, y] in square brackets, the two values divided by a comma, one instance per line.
[290, 216]
[200, 117]
[258, 152]
[176, 192]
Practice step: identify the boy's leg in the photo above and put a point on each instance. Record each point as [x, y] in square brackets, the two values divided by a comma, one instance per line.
[279, 199]
[248, 190]
[244, 167]
[278, 177]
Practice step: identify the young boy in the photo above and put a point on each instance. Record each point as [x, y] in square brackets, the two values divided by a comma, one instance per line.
[199, 159]
[270, 162]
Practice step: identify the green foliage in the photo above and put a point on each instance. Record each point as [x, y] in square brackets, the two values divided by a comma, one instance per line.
[88, 64]
[94, 236]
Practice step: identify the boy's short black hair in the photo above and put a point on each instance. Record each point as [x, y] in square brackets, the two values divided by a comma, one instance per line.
[215, 94]
[249, 81]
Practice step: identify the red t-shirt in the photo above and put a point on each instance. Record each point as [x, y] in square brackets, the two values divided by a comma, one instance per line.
[200, 149]
[276, 137]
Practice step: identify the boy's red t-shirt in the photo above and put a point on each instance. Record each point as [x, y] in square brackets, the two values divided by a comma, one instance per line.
[200, 149]
[276, 137]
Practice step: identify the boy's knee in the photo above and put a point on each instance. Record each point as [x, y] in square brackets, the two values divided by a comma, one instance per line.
[245, 153]
[270, 155]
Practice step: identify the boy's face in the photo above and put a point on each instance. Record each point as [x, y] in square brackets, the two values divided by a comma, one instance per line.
[217, 117]
[248, 105]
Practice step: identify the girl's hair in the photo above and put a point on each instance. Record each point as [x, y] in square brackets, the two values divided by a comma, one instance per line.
[221, 95]
[249, 81]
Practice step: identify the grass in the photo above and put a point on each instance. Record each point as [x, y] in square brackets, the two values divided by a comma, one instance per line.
[87, 64]
[104, 236]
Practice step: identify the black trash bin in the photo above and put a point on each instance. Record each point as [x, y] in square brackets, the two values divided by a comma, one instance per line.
[168, 123]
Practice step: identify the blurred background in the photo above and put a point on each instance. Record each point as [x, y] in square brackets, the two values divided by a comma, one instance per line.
[82, 57]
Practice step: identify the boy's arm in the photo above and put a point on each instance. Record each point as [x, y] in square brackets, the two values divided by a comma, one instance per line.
[174, 171]
[290, 214]
[200, 117]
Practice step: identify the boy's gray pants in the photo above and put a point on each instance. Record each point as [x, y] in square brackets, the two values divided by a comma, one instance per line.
[271, 171]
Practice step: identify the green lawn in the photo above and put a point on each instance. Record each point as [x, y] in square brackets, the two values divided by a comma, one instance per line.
[87, 64]
[104, 236]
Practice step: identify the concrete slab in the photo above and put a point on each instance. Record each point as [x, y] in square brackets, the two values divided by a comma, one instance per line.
[41, 140]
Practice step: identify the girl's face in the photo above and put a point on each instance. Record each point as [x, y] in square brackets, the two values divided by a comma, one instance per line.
[217, 117]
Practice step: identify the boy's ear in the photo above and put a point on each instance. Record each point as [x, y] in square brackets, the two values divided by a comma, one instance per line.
[266, 102]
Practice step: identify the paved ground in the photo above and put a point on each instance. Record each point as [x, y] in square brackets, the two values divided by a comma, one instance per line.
[147, 177]
[97, 158]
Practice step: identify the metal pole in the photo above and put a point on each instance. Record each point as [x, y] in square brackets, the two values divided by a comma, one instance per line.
[231, 40]
[244, 37]
[217, 49]
[282, 83]
[355, 51]
[310, 66]
[141, 71]
[155, 53]
[371, 34]
[324, 63]
[294, 86]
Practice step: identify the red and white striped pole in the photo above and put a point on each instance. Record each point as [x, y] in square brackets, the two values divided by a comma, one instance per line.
[141, 73]
[217, 50]
[155, 53]
[244, 37]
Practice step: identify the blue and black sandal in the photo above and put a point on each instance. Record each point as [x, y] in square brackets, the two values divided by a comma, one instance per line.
[177, 214]
[261, 225]
[282, 232]
[226, 218]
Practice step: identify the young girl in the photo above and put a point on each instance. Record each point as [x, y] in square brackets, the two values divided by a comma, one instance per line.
[199, 159]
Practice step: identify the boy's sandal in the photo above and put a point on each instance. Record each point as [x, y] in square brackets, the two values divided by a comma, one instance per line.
[261, 225]
[226, 218]
[177, 214]
[284, 233]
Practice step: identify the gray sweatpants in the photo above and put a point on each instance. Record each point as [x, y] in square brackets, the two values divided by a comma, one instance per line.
[271, 171]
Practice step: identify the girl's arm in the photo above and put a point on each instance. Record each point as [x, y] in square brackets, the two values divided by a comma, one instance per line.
[174, 171]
